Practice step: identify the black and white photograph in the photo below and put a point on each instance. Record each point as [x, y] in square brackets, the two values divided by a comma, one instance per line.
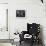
[22, 22]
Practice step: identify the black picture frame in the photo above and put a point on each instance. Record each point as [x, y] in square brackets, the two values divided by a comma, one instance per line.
[20, 13]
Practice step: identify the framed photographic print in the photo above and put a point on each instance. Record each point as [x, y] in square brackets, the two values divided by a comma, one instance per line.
[20, 13]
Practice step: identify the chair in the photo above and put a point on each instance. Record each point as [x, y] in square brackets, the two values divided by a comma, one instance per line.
[33, 30]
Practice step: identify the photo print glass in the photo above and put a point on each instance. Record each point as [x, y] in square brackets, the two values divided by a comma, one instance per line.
[20, 13]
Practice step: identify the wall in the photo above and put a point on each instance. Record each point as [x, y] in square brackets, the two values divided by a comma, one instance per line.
[35, 12]
[3, 1]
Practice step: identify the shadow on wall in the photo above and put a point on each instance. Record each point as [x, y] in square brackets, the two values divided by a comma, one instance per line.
[41, 34]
